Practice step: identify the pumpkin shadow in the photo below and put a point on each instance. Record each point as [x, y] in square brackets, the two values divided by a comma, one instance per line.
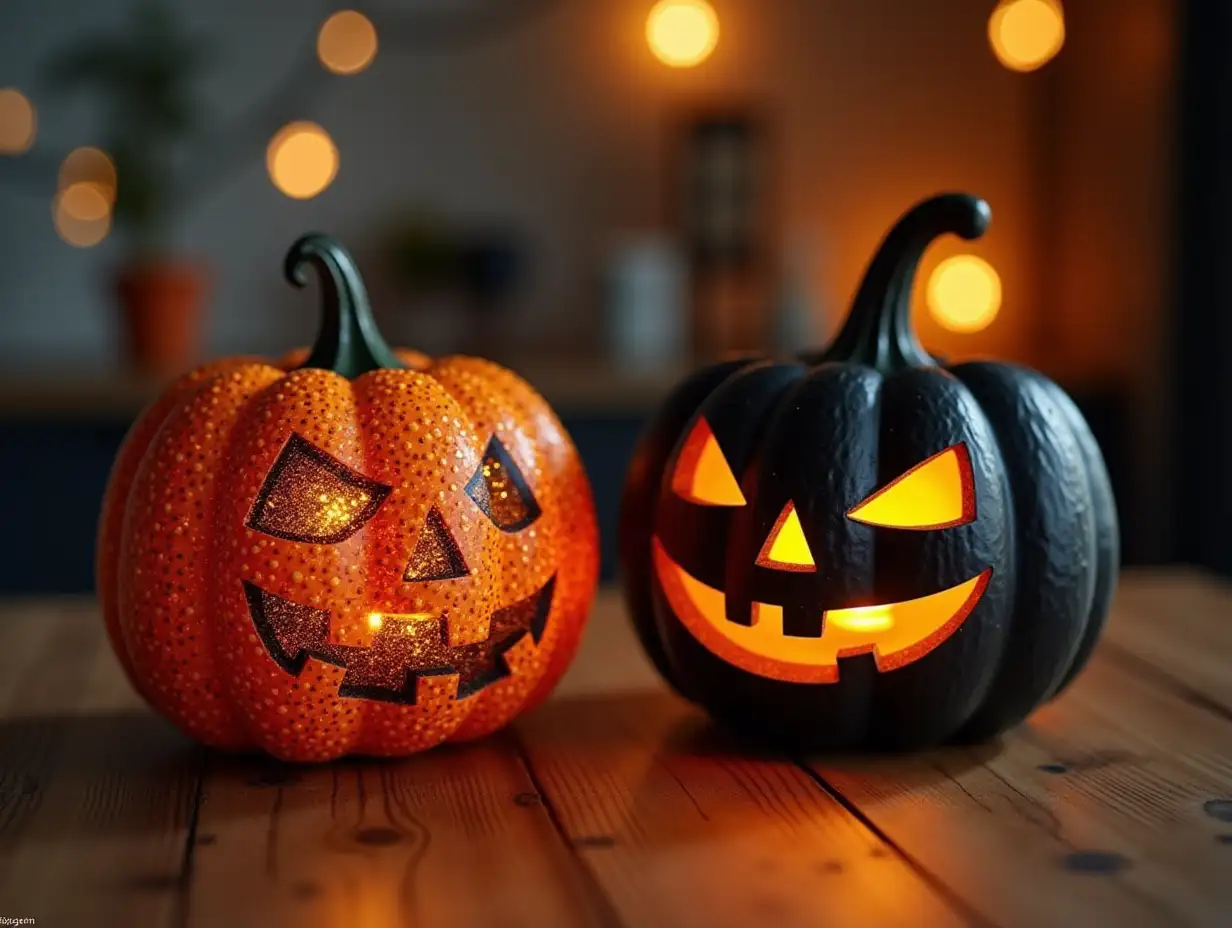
[130, 773]
[668, 768]
[705, 738]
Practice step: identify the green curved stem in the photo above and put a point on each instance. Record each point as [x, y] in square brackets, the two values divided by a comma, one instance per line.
[349, 342]
[878, 331]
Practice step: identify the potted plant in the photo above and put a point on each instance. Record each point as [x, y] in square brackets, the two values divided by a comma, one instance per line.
[144, 78]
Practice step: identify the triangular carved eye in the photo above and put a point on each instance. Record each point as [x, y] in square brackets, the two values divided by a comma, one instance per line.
[312, 497]
[436, 555]
[937, 493]
[500, 490]
[702, 473]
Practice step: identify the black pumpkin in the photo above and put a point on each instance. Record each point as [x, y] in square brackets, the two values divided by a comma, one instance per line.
[863, 548]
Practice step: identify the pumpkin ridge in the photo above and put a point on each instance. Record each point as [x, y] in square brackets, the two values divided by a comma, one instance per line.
[923, 411]
[476, 706]
[1107, 535]
[213, 594]
[557, 458]
[390, 728]
[360, 734]
[167, 546]
[368, 739]
[136, 444]
[1048, 622]
[284, 713]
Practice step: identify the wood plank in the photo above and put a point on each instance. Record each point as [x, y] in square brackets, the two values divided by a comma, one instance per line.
[681, 830]
[457, 837]
[609, 659]
[1178, 622]
[1111, 806]
[1092, 812]
[96, 793]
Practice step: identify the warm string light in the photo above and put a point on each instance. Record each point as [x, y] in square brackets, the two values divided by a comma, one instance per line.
[18, 122]
[302, 160]
[964, 294]
[1026, 34]
[346, 43]
[682, 33]
[81, 216]
[85, 195]
[91, 167]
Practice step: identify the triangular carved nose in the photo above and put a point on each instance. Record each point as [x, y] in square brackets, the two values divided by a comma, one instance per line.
[786, 547]
[436, 555]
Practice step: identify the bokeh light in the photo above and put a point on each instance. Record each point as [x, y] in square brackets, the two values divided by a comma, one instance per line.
[1026, 34]
[18, 122]
[82, 215]
[682, 33]
[346, 43]
[964, 293]
[92, 167]
[302, 160]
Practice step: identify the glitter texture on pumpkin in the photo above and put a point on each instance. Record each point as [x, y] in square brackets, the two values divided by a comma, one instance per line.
[292, 560]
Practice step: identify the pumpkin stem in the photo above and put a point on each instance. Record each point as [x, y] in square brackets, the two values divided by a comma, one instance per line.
[348, 343]
[878, 330]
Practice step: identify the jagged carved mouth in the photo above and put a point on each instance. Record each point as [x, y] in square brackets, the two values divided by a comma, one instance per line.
[404, 647]
[895, 634]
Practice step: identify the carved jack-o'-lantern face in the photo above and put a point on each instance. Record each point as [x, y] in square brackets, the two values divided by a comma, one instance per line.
[311, 498]
[862, 546]
[938, 493]
[353, 551]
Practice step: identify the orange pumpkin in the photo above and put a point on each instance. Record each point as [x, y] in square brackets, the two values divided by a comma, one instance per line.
[367, 553]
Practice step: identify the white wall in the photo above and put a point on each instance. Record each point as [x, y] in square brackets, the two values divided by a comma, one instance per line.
[559, 128]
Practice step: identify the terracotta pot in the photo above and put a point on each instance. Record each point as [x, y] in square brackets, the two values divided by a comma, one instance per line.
[161, 308]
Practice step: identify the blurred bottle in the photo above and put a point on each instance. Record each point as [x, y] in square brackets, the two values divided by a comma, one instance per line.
[646, 303]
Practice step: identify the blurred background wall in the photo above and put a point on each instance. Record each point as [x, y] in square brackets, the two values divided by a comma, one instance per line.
[557, 124]
[551, 121]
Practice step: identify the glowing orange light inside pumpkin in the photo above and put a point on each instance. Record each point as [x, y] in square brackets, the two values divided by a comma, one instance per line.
[375, 621]
[702, 473]
[786, 547]
[862, 618]
[895, 634]
[937, 493]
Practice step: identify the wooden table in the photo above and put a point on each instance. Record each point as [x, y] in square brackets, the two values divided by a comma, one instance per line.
[616, 804]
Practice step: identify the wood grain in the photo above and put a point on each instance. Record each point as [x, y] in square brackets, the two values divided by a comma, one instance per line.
[96, 794]
[618, 804]
[455, 837]
[1178, 625]
[1092, 812]
[680, 830]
